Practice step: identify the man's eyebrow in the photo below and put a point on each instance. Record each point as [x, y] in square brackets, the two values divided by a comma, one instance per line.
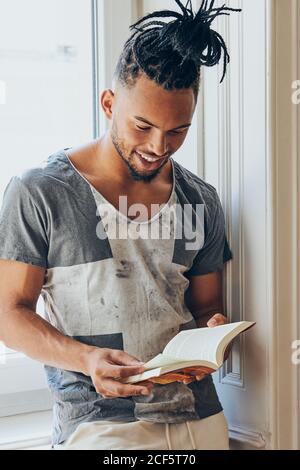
[139, 118]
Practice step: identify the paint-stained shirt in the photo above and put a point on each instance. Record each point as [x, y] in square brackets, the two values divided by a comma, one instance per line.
[114, 282]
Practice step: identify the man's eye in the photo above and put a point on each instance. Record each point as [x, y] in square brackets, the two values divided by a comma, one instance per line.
[148, 128]
[175, 132]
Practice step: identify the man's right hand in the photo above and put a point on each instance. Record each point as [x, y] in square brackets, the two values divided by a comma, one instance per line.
[105, 366]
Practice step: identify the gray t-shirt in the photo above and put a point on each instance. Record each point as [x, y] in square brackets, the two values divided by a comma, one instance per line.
[110, 284]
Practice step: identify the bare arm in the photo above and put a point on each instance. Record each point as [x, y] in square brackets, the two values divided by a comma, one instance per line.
[22, 329]
[204, 298]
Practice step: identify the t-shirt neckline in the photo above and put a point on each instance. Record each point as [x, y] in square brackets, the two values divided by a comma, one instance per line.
[120, 214]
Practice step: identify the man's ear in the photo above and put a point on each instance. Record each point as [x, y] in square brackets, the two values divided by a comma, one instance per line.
[107, 100]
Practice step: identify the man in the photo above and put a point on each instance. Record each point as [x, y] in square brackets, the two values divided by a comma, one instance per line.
[113, 302]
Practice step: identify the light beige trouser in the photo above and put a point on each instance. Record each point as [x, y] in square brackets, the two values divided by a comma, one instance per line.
[206, 434]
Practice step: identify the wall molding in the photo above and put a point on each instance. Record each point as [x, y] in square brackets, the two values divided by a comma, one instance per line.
[230, 105]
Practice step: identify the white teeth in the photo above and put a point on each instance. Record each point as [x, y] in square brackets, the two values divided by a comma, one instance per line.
[149, 159]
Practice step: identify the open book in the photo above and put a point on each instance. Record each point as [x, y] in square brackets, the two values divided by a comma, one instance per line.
[191, 350]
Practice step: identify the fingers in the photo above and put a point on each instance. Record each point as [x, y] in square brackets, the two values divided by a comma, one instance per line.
[200, 377]
[146, 382]
[122, 358]
[120, 365]
[193, 378]
[110, 388]
[121, 372]
[217, 319]
[108, 367]
[194, 371]
[188, 381]
[197, 373]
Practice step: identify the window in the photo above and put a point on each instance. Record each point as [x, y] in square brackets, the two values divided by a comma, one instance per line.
[46, 80]
[47, 102]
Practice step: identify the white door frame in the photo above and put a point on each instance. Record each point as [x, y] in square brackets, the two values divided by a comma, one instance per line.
[284, 151]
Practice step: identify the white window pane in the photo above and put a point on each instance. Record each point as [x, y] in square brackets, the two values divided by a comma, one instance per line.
[46, 80]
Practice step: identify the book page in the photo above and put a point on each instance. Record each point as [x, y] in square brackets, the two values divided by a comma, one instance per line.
[161, 371]
[159, 361]
[240, 327]
[201, 343]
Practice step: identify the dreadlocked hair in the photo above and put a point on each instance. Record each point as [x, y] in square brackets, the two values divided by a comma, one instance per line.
[172, 53]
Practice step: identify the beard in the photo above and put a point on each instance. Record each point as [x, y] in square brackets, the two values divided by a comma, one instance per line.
[128, 158]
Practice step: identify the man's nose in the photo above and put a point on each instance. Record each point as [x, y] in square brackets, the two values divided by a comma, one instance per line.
[159, 146]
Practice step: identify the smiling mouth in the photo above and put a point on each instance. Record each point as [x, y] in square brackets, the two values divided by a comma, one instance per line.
[147, 158]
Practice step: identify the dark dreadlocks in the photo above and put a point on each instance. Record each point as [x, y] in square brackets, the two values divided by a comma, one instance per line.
[172, 53]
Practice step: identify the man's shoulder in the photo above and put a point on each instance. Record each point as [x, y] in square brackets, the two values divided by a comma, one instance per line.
[194, 187]
[45, 176]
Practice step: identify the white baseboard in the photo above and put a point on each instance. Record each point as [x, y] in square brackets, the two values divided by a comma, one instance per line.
[244, 439]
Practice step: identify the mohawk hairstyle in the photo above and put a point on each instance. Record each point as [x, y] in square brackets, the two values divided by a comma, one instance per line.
[172, 53]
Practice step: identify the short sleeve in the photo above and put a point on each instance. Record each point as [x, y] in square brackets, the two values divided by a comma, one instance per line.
[22, 226]
[215, 251]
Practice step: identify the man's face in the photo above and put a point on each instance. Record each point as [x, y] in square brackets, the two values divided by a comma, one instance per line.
[146, 147]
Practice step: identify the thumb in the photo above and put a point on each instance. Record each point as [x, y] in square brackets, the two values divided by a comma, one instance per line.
[200, 377]
[212, 322]
[122, 358]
